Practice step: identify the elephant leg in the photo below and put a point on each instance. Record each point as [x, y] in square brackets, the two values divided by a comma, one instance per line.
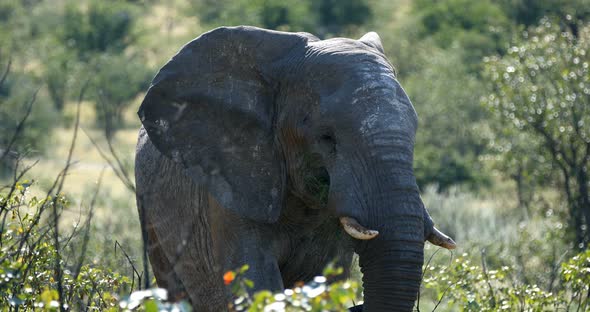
[263, 271]
[180, 250]
[237, 242]
[310, 255]
[179, 238]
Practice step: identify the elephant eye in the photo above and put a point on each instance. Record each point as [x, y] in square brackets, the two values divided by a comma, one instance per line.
[328, 140]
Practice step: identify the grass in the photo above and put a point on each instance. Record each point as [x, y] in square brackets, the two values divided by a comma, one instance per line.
[88, 164]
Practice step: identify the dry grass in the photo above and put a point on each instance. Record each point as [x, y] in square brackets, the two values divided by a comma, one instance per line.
[87, 161]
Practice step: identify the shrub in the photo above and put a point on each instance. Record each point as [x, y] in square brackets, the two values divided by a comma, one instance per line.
[29, 258]
[476, 288]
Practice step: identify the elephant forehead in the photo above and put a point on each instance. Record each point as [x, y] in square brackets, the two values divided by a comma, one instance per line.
[385, 108]
[372, 102]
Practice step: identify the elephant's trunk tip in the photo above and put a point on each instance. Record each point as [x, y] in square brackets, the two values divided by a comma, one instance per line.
[441, 239]
[356, 230]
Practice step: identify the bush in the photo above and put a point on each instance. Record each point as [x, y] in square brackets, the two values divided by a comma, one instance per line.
[32, 268]
[540, 87]
[316, 295]
[477, 288]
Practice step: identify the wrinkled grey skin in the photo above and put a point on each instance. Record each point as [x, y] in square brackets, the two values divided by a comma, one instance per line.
[235, 127]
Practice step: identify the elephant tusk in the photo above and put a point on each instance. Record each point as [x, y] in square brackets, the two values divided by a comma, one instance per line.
[354, 229]
[441, 239]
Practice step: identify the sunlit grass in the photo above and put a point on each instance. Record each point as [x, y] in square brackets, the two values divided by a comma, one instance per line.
[87, 162]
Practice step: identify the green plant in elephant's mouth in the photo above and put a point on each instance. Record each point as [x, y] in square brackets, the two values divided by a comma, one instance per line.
[316, 178]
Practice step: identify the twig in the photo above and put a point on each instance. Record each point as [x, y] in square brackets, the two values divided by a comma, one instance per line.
[109, 138]
[554, 270]
[422, 278]
[130, 185]
[58, 268]
[6, 71]
[442, 296]
[581, 295]
[20, 125]
[144, 241]
[120, 172]
[14, 183]
[86, 237]
[100, 295]
[75, 232]
[3, 209]
[587, 299]
[130, 263]
[485, 274]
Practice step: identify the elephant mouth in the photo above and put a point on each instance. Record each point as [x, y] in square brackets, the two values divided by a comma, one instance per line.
[353, 228]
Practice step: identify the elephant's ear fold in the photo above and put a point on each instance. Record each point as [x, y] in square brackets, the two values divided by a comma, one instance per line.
[372, 39]
[211, 109]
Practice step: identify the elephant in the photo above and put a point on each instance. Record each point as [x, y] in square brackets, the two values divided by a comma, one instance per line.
[284, 152]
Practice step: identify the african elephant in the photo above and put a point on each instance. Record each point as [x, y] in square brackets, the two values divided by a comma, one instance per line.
[284, 152]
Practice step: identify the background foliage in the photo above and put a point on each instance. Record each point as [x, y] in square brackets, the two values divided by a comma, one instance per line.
[501, 88]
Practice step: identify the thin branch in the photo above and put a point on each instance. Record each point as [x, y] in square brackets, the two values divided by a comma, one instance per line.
[554, 269]
[86, 237]
[17, 178]
[3, 208]
[144, 241]
[422, 278]
[130, 185]
[58, 268]
[20, 125]
[6, 71]
[487, 277]
[448, 287]
[123, 172]
[75, 232]
[118, 168]
[130, 263]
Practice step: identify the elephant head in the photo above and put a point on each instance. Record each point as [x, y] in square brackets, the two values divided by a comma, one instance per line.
[255, 114]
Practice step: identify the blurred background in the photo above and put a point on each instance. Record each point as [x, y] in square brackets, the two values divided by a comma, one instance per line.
[501, 87]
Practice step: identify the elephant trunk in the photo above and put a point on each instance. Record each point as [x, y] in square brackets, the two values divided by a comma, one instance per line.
[391, 263]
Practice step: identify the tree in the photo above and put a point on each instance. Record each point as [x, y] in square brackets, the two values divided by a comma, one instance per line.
[322, 18]
[480, 27]
[529, 12]
[542, 87]
[97, 36]
[102, 26]
[271, 14]
[335, 16]
[518, 154]
[448, 143]
[117, 80]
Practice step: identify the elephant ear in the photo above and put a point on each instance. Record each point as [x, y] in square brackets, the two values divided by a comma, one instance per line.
[372, 39]
[211, 108]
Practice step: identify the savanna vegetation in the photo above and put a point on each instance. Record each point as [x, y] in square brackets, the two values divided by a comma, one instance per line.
[501, 87]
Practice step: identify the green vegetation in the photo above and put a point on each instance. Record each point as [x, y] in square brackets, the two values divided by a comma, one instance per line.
[31, 267]
[541, 88]
[502, 91]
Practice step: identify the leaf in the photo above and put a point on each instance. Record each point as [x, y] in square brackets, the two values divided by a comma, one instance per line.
[151, 306]
[244, 268]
